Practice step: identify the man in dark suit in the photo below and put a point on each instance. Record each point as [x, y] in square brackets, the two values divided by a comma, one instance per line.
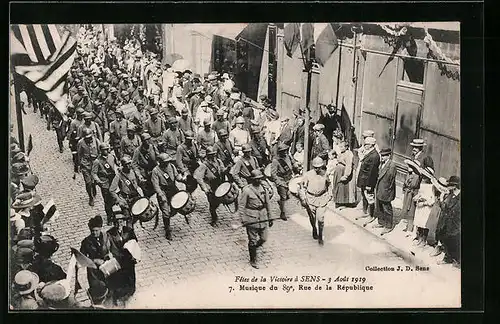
[448, 228]
[385, 191]
[367, 177]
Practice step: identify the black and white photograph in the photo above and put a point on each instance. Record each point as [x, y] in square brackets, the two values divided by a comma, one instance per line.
[235, 166]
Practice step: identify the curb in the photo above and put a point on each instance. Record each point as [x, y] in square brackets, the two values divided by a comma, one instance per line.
[441, 271]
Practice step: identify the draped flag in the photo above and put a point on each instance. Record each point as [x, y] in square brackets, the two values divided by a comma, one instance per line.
[321, 35]
[41, 55]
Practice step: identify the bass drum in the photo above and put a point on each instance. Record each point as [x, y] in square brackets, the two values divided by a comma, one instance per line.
[227, 193]
[144, 210]
[183, 203]
[109, 267]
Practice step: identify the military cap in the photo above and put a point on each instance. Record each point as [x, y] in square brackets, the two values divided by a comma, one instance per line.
[256, 174]
[207, 122]
[240, 120]
[211, 150]
[164, 157]
[131, 128]
[134, 79]
[87, 133]
[153, 111]
[255, 130]
[100, 80]
[119, 113]
[145, 136]
[223, 132]
[171, 120]
[208, 99]
[106, 84]
[318, 162]
[189, 135]
[140, 88]
[87, 115]
[113, 90]
[246, 148]
[368, 133]
[98, 102]
[124, 93]
[417, 142]
[30, 181]
[80, 111]
[184, 111]
[220, 112]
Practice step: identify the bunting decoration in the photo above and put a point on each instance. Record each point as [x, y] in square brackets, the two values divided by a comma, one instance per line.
[435, 53]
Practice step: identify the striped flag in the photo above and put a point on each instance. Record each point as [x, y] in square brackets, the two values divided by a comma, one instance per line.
[321, 35]
[40, 54]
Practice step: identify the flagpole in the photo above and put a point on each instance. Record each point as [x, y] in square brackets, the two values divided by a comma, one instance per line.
[19, 111]
[307, 117]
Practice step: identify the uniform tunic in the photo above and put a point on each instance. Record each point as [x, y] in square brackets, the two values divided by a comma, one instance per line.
[205, 139]
[186, 124]
[86, 154]
[155, 128]
[96, 130]
[117, 130]
[218, 125]
[104, 170]
[317, 193]
[225, 152]
[320, 147]
[242, 169]
[172, 139]
[164, 185]
[238, 137]
[254, 207]
[129, 145]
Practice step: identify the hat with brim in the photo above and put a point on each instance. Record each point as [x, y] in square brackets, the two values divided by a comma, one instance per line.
[385, 151]
[453, 181]
[441, 184]
[427, 172]
[26, 281]
[257, 174]
[54, 292]
[418, 142]
[370, 141]
[368, 133]
[188, 135]
[234, 95]
[26, 202]
[414, 165]
[318, 127]
[318, 162]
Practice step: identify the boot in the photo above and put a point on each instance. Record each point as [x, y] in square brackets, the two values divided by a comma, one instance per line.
[213, 223]
[91, 201]
[253, 256]
[282, 209]
[314, 229]
[166, 225]
[320, 234]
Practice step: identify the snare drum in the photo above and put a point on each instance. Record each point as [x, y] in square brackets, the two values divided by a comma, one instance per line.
[144, 210]
[183, 203]
[109, 267]
[293, 185]
[227, 193]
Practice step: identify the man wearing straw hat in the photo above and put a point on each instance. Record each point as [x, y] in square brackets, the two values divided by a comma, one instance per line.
[254, 211]
[24, 291]
[367, 177]
[418, 153]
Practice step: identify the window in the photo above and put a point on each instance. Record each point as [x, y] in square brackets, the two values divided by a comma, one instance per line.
[413, 69]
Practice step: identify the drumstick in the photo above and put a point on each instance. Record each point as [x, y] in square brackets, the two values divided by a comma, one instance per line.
[237, 226]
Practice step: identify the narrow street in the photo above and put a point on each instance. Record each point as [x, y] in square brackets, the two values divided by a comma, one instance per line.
[196, 269]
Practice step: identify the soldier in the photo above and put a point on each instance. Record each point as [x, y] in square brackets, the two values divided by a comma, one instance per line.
[77, 97]
[254, 202]
[204, 112]
[58, 125]
[104, 93]
[124, 188]
[225, 150]
[210, 174]
[206, 137]
[220, 123]
[320, 145]
[186, 121]
[247, 113]
[259, 147]
[194, 100]
[133, 90]
[155, 126]
[111, 104]
[125, 97]
[117, 131]
[316, 194]
[143, 163]
[172, 137]
[87, 152]
[100, 117]
[104, 170]
[163, 179]
[238, 136]
[282, 169]
[140, 95]
[89, 124]
[187, 160]
[85, 103]
[243, 167]
[131, 142]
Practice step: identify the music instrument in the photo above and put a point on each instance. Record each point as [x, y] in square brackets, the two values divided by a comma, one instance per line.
[109, 267]
[183, 203]
[144, 210]
[293, 185]
[227, 193]
[133, 247]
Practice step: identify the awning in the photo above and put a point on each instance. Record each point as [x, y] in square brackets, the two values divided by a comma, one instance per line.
[230, 31]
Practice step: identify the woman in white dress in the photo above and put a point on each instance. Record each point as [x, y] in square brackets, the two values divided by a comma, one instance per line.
[424, 199]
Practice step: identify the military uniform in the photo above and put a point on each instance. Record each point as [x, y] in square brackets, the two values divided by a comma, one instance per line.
[96, 130]
[210, 174]
[163, 182]
[155, 128]
[206, 139]
[282, 169]
[186, 124]
[125, 190]
[138, 118]
[242, 170]
[86, 154]
[187, 162]
[225, 152]
[320, 147]
[58, 125]
[172, 139]
[117, 131]
[254, 207]
[103, 172]
[218, 125]
[129, 145]
[259, 149]
[143, 162]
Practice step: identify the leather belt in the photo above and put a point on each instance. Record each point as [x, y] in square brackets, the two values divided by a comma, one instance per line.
[317, 194]
[253, 208]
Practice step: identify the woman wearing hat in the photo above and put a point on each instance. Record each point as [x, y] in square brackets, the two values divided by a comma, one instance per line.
[410, 190]
[343, 184]
[121, 283]
[440, 191]
[95, 248]
[424, 200]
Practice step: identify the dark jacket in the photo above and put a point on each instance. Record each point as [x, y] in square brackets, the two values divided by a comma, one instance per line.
[368, 170]
[386, 182]
[449, 222]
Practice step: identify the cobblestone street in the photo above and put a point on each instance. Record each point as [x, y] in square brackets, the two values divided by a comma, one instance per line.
[196, 269]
